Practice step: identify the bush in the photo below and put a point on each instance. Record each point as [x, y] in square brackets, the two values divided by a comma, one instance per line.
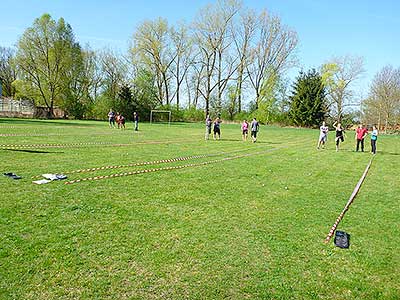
[182, 115]
[243, 115]
[193, 115]
[177, 115]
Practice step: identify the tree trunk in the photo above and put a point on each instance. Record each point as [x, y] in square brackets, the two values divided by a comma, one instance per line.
[177, 97]
[379, 121]
[196, 95]
[160, 90]
[207, 99]
[386, 122]
[166, 87]
[219, 98]
[188, 92]
[257, 99]
[50, 114]
[208, 93]
[239, 90]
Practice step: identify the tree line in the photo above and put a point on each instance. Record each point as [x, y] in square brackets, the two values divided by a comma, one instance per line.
[229, 60]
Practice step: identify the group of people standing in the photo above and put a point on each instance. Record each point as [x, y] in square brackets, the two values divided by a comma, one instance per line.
[120, 120]
[360, 135]
[216, 126]
[254, 126]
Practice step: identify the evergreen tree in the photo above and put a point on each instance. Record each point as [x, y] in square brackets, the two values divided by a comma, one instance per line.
[125, 104]
[307, 103]
[145, 93]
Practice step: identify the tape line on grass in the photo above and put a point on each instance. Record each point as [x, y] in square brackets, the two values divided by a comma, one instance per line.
[8, 127]
[51, 134]
[78, 145]
[143, 163]
[133, 164]
[159, 161]
[349, 202]
[169, 168]
[11, 146]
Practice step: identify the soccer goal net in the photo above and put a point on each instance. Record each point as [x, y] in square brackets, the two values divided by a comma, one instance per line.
[160, 116]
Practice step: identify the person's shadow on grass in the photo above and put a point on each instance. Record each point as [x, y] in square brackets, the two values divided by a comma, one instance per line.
[31, 151]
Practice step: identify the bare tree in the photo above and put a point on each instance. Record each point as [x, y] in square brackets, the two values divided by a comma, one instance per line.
[227, 65]
[83, 80]
[243, 33]
[213, 39]
[339, 75]
[272, 53]
[93, 69]
[151, 49]
[193, 82]
[371, 110]
[8, 71]
[182, 58]
[114, 71]
[384, 97]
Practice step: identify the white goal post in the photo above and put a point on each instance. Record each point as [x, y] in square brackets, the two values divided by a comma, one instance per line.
[160, 111]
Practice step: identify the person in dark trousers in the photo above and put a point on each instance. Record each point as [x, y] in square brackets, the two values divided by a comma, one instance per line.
[217, 129]
[374, 137]
[254, 129]
[339, 134]
[208, 127]
[136, 120]
[361, 133]
[111, 118]
[245, 130]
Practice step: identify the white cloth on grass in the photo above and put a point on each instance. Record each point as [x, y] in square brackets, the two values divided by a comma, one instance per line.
[41, 181]
[54, 176]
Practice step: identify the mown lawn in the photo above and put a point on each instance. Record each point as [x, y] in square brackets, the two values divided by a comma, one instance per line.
[249, 227]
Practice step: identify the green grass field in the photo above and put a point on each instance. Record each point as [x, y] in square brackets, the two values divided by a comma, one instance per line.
[249, 227]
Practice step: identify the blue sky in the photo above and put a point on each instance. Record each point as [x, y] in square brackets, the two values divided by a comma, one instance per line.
[370, 29]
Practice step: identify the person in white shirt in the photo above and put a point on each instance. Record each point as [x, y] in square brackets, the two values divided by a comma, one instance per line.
[323, 135]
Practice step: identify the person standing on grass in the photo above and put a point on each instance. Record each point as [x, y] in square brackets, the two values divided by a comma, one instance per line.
[122, 121]
[136, 120]
[254, 129]
[111, 118]
[361, 133]
[245, 130]
[323, 135]
[208, 127]
[217, 129]
[117, 116]
[374, 137]
[339, 135]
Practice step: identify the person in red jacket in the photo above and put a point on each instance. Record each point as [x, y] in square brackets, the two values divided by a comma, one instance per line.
[361, 133]
[122, 121]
